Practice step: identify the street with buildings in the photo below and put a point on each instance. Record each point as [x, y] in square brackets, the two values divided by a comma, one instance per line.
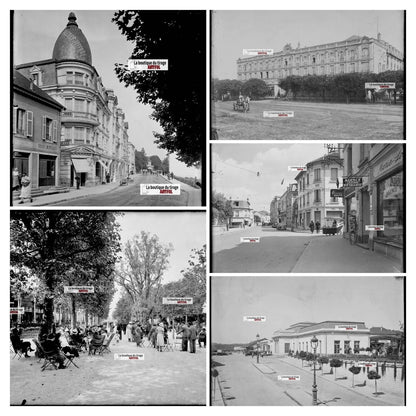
[284, 341]
[340, 212]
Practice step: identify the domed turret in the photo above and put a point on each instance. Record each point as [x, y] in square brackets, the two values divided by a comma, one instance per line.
[72, 44]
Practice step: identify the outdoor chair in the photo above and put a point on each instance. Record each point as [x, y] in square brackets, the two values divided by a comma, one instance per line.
[70, 360]
[146, 342]
[16, 351]
[95, 347]
[106, 346]
[49, 357]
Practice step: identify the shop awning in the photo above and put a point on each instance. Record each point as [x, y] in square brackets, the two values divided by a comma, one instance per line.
[81, 165]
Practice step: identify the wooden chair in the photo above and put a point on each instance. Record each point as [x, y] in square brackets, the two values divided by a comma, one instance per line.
[106, 346]
[14, 349]
[49, 357]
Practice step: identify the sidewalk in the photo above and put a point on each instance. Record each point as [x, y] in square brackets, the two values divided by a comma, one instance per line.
[334, 254]
[71, 195]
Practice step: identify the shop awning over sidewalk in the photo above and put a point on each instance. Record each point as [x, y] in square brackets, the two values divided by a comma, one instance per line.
[81, 165]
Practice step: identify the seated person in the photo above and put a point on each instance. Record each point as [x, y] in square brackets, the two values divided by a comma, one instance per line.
[17, 343]
[96, 341]
[50, 346]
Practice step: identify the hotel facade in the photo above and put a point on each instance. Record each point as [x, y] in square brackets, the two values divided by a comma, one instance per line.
[94, 131]
[355, 54]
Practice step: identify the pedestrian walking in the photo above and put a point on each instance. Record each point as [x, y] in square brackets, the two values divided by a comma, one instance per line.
[317, 226]
[193, 335]
[78, 181]
[129, 334]
[26, 191]
[311, 226]
[185, 336]
[160, 340]
[137, 334]
[202, 337]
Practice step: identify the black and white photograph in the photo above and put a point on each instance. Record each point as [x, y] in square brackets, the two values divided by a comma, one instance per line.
[307, 74]
[107, 308]
[307, 207]
[103, 113]
[307, 341]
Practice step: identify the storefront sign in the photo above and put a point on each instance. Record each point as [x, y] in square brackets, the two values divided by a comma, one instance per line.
[78, 289]
[374, 227]
[17, 311]
[389, 163]
[336, 193]
[249, 239]
[177, 301]
[354, 181]
[380, 85]
[254, 319]
[346, 327]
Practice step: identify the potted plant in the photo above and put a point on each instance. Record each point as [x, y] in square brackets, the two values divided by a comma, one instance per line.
[354, 370]
[373, 375]
[335, 363]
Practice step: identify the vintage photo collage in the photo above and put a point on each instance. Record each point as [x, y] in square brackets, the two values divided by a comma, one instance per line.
[242, 248]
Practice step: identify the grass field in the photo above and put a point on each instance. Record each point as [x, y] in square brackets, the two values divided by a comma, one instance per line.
[311, 121]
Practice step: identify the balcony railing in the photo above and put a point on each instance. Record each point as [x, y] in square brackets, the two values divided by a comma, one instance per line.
[79, 114]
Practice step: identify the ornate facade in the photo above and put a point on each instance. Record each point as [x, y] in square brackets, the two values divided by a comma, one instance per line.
[94, 132]
[355, 54]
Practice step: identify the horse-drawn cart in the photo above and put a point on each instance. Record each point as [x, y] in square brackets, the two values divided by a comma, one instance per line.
[241, 105]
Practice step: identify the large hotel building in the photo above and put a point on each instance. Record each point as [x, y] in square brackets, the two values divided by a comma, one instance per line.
[355, 54]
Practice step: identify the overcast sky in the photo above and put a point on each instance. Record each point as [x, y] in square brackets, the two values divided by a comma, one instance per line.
[233, 31]
[185, 230]
[235, 166]
[376, 301]
[35, 34]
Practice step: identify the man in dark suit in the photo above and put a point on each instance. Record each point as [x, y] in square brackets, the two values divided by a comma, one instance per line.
[193, 335]
[185, 336]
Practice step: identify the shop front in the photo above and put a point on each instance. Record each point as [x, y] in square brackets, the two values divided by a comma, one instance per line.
[388, 202]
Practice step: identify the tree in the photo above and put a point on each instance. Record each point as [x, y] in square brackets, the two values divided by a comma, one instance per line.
[222, 211]
[140, 271]
[323, 360]
[255, 88]
[193, 284]
[354, 370]
[335, 363]
[156, 162]
[140, 160]
[64, 248]
[177, 95]
[123, 309]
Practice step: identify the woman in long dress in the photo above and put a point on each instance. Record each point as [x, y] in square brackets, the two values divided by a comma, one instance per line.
[26, 191]
[160, 340]
[137, 334]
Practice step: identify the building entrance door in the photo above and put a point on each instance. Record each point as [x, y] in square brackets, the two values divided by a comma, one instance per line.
[317, 215]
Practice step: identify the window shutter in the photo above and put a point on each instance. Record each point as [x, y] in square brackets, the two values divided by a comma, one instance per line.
[43, 127]
[29, 124]
[54, 131]
[14, 120]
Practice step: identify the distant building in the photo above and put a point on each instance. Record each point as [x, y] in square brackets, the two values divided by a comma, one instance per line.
[261, 217]
[274, 210]
[36, 133]
[286, 206]
[132, 158]
[94, 132]
[314, 201]
[243, 214]
[334, 337]
[355, 54]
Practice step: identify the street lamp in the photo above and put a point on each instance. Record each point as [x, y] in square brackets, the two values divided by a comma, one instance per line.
[258, 338]
[314, 344]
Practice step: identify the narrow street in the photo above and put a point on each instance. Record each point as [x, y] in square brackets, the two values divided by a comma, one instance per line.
[129, 195]
[243, 382]
[297, 252]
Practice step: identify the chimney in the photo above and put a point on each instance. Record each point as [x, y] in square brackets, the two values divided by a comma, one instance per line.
[31, 83]
[378, 36]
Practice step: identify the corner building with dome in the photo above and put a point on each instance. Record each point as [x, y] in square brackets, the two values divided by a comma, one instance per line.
[94, 131]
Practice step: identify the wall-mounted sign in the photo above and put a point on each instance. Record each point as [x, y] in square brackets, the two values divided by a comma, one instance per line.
[354, 181]
[336, 193]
